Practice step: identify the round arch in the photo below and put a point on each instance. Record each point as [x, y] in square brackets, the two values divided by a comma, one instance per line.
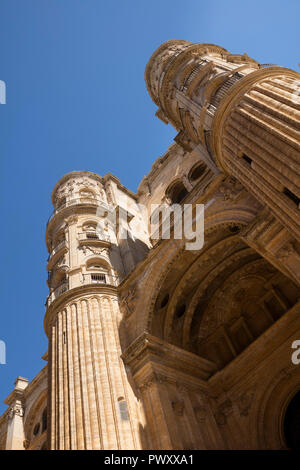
[268, 416]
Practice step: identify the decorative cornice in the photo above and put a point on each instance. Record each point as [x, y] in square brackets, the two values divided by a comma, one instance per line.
[73, 174]
[75, 294]
[157, 52]
[148, 349]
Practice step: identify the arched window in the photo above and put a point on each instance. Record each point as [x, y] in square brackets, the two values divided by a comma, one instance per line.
[36, 429]
[90, 230]
[197, 171]
[176, 192]
[292, 423]
[100, 271]
[97, 263]
[44, 420]
[89, 226]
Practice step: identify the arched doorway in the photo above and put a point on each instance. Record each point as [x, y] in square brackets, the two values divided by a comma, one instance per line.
[292, 423]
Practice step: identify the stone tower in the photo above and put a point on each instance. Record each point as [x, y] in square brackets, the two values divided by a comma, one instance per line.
[91, 405]
[245, 114]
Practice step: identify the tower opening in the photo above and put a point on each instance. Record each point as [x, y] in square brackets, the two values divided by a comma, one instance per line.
[247, 159]
[293, 197]
[292, 423]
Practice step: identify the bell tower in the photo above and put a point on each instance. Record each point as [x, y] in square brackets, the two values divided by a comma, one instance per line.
[245, 114]
[92, 405]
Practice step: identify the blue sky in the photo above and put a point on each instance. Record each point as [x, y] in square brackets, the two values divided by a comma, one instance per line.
[76, 100]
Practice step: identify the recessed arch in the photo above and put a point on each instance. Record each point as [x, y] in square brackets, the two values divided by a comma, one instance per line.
[176, 191]
[225, 272]
[34, 415]
[98, 263]
[196, 172]
[270, 406]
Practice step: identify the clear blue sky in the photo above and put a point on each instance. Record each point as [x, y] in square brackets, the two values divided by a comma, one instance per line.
[76, 100]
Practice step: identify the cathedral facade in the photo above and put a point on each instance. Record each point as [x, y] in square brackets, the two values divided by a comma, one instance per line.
[151, 345]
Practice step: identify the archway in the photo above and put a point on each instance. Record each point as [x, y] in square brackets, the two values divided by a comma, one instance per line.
[292, 423]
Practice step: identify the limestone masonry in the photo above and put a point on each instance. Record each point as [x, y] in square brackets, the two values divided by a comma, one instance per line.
[152, 346]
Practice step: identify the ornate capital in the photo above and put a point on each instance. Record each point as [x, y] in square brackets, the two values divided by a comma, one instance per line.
[178, 407]
[223, 411]
[16, 410]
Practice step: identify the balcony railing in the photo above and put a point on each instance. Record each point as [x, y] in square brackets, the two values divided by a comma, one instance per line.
[75, 202]
[57, 248]
[52, 273]
[57, 292]
[92, 236]
[100, 278]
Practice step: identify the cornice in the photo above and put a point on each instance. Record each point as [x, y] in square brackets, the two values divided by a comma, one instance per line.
[36, 381]
[147, 347]
[110, 177]
[72, 295]
[72, 174]
[152, 59]
[159, 164]
[156, 249]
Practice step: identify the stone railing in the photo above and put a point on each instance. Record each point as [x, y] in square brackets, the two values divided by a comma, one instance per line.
[57, 292]
[75, 202]
[92, 236]
[100, 278]
[57, 248]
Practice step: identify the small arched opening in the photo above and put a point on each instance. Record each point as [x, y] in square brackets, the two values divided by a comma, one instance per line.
[176, 192]
[197, 172]
[291, 425]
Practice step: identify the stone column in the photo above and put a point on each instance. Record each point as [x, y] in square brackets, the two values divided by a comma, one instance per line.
[92, 405]
[15, 428]
[173, 386]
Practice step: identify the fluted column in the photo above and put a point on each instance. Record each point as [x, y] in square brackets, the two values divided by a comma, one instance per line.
[92, 406]
[256, 137]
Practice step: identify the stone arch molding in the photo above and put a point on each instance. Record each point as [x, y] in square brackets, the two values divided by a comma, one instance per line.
[268, 415]
[168, 256]
[36, 409]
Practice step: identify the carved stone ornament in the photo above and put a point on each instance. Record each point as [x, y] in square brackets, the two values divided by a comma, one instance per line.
[152, 379]
[222, 412]
[16, 410]
[26, 444]
[96, 251]
[286, 251]
[71, 220]
[178, 407]
[230, 189]
[200, 412]
[127, 301]
[245, 402]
